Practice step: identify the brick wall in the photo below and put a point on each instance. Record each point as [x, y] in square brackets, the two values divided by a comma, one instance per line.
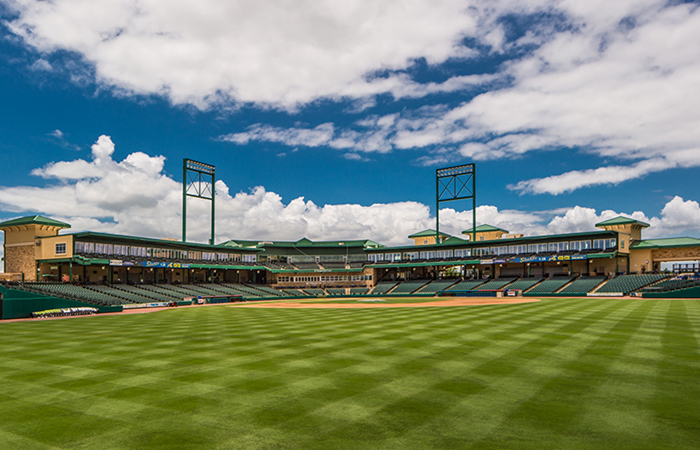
[21, 259]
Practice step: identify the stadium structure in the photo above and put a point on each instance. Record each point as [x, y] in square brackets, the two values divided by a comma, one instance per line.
[47, 266]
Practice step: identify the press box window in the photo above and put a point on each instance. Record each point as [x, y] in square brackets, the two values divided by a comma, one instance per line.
[61, 249]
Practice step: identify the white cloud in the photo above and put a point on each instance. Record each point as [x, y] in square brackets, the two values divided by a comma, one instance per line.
[617, 80]
[41, 65]
[571, 181]
[280, 54]
[135, 197]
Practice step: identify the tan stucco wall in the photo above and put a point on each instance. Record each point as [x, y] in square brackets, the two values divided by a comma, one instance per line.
[427, 240]
[638, 261]
[47, 249]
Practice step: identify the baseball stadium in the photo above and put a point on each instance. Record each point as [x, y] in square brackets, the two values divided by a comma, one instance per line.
[489, 339]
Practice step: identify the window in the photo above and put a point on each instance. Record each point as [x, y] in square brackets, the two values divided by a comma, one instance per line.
[461, 253]
[425, 242]
[410, 256]
[444, 254]
[61, 249]
[427, 255]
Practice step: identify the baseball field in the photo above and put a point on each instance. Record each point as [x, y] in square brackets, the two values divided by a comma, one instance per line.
[552, 374]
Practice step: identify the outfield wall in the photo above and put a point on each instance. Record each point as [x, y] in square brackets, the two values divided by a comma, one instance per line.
[20, 304]
[693, 292]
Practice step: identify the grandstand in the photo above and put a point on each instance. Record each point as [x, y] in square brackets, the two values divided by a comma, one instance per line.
[293, 292]
[671, 285]
[315, 292]
[499, 283]
[358, 291]
[524, 284]
[549, 286]
[408, 287]
[383, 287]
[436, 286]
[629, 283]
[108, 269]
[466, 285]
[72, 292]
[336, 291]
[582, 285]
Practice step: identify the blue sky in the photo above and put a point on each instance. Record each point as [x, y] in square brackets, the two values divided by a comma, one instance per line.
[327, 119]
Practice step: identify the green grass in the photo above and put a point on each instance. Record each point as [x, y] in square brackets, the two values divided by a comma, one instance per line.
[364, 300]
[557, 374]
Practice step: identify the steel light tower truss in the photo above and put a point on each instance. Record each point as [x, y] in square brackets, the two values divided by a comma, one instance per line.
[455, 183]
[198, 180]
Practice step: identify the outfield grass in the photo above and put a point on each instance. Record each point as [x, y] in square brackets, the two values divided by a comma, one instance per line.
[557, 374]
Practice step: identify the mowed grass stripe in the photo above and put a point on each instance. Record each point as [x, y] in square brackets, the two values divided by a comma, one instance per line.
[509, 381]
[462, 377]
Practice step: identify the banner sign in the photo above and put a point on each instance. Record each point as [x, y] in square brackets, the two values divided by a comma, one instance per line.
[164, 265]
[145, 305]
[547, 258]
[119, 262]
[160, 265]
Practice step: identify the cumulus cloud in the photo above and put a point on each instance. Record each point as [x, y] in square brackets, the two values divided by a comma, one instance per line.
[135, 197]
[280, 54]
[618, 81]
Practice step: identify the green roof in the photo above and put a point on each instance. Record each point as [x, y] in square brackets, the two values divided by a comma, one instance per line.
[620, 220]
[33, 220]
[485, 228]
[303, 242]
[90, 236]
[427, 233]
[454, 241]
[666, 243]
[498, 242]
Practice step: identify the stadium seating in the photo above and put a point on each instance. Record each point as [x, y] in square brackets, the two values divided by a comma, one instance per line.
[582, 286]
[359, 291]
[126, 295]
[315, 291]
[333, 265]
[336, 291]
[73, 292]
[550, 285]
[164, 291]
[524, 284]
[466, 285]
[154, 296]
[629, 283]
[271, 292]
[306, 265]
[245, 290]
[293, 293]
[497, 283]
[436, 286]
[408, 287]
[671, 285]
[383, 287]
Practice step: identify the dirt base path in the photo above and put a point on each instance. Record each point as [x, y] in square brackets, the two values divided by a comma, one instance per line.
[458, 301]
